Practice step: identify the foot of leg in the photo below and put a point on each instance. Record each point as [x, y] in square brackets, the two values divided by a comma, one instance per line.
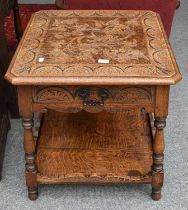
[33, 193]
[156, 194]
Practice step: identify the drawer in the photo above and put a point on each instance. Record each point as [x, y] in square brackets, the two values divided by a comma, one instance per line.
[94, 96]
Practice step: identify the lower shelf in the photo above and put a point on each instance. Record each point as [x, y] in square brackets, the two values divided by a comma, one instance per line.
[94, 148]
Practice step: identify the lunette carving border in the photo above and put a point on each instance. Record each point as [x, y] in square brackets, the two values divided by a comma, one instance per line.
[116, 96]
[26, 65]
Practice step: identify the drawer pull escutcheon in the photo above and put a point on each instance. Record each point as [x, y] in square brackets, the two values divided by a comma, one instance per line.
[93, 97]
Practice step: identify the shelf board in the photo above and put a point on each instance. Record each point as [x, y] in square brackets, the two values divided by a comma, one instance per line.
[94, 148]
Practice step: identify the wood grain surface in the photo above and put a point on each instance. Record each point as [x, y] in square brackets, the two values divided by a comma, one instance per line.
[103, 148]
[93, 98]
[64, 47]
[97, 126]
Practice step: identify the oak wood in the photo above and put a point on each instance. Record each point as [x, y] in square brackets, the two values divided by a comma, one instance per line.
[161, 112]
[85, 147]
[25, 106]
[106, 125]
[134, 42]
[63, 98]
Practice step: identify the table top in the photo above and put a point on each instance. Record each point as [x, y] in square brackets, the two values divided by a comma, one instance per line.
[94, 48]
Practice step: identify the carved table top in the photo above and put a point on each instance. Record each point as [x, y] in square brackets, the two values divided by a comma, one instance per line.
[65, 47]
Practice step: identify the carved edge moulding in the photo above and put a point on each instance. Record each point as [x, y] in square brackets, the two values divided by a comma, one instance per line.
[25, 69]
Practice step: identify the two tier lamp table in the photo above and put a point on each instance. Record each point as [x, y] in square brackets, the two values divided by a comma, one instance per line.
[100, 82]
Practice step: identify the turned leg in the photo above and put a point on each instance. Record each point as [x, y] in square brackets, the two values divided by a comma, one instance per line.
[26, 112]
[29, 147]
[161, 112]
[158, 157]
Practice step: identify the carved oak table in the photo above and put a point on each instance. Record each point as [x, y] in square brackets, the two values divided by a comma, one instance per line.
[98, 80]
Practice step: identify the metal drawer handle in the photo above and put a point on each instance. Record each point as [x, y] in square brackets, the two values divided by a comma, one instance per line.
[85, 95]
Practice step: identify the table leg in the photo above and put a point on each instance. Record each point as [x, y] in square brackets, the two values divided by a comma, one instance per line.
[29, 147]
[25, 106]
[158, 157]
[161, 112]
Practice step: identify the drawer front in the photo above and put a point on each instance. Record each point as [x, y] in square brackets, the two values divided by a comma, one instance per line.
[95, 97]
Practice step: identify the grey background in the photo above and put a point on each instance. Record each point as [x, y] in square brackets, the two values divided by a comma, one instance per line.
[13, 193]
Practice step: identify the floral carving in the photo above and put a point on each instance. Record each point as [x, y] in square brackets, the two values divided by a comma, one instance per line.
[72, 42]
[134, 95]
[52, 94]
[94, 97]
